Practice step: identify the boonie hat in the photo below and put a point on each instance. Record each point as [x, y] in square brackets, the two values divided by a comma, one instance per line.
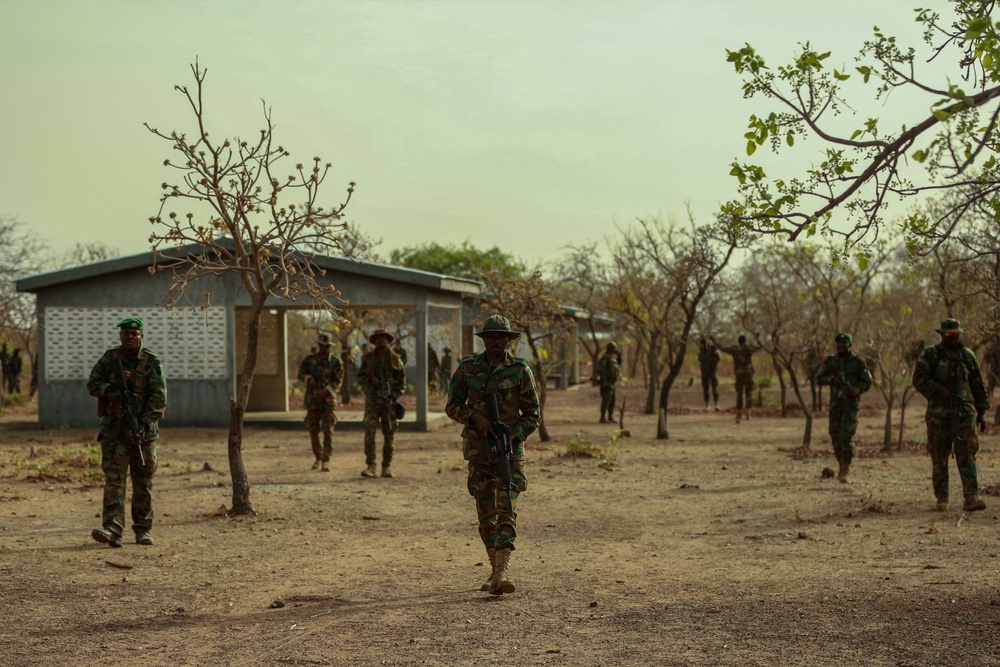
[380, 332]
[498, 323]
[324, 338]
[950, 326]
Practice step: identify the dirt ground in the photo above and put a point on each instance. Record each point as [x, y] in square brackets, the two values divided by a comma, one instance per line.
[718, 546]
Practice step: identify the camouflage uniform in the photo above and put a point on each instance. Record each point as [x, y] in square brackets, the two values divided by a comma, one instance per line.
[118, 455]
[845, 403]
[518, 402]
[378, 412]
[951, 426]
[743, 371]
[708, 361]
[321, 413]
[608, 372]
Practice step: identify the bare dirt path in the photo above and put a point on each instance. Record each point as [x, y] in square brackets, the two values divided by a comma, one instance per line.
[716, 547]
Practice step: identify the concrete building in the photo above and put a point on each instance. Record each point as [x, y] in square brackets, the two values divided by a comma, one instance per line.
[203, 349]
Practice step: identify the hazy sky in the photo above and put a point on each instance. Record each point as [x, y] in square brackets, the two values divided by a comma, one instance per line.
[526, 124]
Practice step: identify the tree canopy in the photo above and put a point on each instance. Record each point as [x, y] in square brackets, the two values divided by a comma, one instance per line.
[461, 261]
[948, 142]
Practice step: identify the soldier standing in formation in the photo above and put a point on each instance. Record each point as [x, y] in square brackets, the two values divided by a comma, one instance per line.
[433, 368]
[322, 374]
[708, 360]
[608, 372]
[848, 376]
[495, 371]
[743, 370]
[383, 381]
[948, 376]
[143, 392]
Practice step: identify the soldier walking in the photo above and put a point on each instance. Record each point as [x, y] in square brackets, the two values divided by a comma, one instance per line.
[322, 373]
[131, 399]
[848, 376]
[495, 371]
[743, 370]
[383, 381]
[948, 376]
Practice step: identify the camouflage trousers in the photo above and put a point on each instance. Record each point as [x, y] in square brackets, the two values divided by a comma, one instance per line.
[608, 394]
[118, 457]
[940, 446]
[321, 421]
[376, 417]
[709, 380]
[497, 516]
[744, 387]
[843, 426]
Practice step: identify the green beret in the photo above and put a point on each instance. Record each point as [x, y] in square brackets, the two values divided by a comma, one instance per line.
[131, 323]
[843, 334]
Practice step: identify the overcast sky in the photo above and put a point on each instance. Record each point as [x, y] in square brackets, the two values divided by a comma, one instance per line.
[525, 124]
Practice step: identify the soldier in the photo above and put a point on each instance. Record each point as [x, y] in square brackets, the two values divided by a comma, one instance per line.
[608, 372]
[383, 382]
[495, 371]
[400, 351]
[4, 368]
[322, 374]
[128, 380]
[16, 364]
[743, 370]
[848, 377]
[708, 360]
[444, 373]
[948, 376]
[433, 368]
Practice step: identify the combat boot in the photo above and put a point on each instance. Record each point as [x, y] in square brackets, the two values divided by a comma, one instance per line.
[501, 584]
[325, 467]
[369, 471]
[746, 416]
[144, 538]
[942, 505]
[386, 471]
[488, 584]
[105, 536]
[845, 471]
[973, 503]
[603, 420]
[315, 465]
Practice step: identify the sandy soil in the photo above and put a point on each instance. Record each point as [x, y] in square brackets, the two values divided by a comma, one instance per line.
[719, 546]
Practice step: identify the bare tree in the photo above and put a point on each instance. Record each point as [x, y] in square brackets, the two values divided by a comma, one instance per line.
[662, 273]
[241, 225]
[533, 308]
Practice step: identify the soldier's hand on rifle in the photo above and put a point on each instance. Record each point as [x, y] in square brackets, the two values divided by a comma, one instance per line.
[943, 392]
[981, 421]
[113, 394]
[310, 382]
[482, 425]
[321, 394]
[835, 382]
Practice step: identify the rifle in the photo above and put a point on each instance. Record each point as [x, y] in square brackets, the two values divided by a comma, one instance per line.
[955, 411]
[391, 406]
[502, 447]
[843, 395]
[136, 431]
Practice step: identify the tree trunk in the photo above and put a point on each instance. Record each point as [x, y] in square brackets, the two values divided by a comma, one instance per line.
[661, 425]
[887, 432]
[543, 431]
[237, 409]
[807, 433]
[784, 390]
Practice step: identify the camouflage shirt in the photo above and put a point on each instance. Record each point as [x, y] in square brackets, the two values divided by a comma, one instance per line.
[742, 358]
[608, 370]
[390, 366]
[328, 373]
[517, 399]
[708, 358]
[144, 376]
[857, 378]
[958, 372]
